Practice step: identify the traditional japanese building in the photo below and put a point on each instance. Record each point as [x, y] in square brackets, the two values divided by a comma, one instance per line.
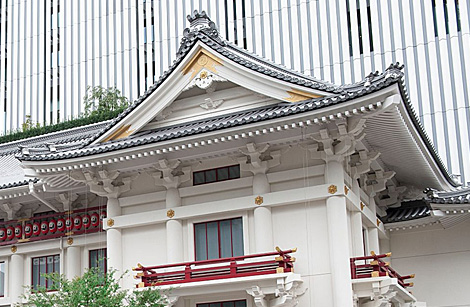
[235, 181]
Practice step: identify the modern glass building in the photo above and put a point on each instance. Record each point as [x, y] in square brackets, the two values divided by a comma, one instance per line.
[52, 50]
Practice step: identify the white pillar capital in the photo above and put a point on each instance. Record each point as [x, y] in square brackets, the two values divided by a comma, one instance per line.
[258, 159]
[337, 142]
[376, 182]
[104, 183]
[169, 174]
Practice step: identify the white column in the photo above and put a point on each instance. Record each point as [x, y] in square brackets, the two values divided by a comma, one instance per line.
[74, 267]
[174, 228]
[373, 236]
[113, 238]
[16, 274]
[356, 234]
[338, 238]
[262, 216]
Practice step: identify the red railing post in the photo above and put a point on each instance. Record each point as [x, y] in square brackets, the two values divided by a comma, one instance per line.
[352, 264]
[233, 267]
[187, 272]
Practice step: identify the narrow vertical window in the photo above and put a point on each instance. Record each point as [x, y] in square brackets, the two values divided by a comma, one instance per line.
[369, 21]
[348, 17]
[244, 25]
[235, 34]
[446, 17]
[434, 17]
[2, 279]
[359, 25]
[226, 18]
[97, 259]
[457, 15]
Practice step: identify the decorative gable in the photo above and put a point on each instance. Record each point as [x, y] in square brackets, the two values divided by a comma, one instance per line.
[203, 61]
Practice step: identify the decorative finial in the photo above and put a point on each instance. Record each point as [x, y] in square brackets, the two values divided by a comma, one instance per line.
[200, 21]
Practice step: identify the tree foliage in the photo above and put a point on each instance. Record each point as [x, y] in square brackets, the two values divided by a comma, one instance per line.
[93, 289]
[99, 99]
[101, 104]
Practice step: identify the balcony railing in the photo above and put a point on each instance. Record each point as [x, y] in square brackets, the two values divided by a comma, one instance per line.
[52, 226]
[250, 265]
[374, 266]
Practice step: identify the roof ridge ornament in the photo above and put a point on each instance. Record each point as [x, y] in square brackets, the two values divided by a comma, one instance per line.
[199, 22]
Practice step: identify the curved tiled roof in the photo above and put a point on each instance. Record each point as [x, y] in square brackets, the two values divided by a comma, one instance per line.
[409, 210]
[391, 76]
[459, 196]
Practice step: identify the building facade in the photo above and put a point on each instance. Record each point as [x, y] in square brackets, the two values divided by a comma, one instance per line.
[234, 181]
[51, 50]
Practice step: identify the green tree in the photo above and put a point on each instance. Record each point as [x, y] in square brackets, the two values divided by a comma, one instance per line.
[91, 290]
[99, 100]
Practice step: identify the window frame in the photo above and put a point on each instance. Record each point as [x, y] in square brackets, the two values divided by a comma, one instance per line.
[222, 302]
[218, 234]
[216, 174]
[5, 276]
[105, 259]
[35, 287]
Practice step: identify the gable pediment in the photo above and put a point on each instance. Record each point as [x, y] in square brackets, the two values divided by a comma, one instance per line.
[212, 79]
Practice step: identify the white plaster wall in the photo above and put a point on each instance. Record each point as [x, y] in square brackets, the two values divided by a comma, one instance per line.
[305, 226]
[440, 259]
[145, 245]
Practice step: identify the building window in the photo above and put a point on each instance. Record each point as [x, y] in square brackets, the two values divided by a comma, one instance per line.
[41, 266]
[219, 239]
[238, 303]
[97, 259]
[216, 174]
[2, 279]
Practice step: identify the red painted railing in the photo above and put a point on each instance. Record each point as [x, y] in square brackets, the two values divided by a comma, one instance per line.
[373, 266]
[54, 225]
[216, 269]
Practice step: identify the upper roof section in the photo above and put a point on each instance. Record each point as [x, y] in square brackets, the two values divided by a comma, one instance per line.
[203, 51]
[205, 58]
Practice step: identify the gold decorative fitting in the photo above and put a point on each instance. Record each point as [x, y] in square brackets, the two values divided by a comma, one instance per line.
[70, 241]
[259, 200]
[121, 132]
[170, 213]
[110, 223]
[279, 270]
[296, 95]
[346, 190]
[412, 276]
[139, 265]
[14, 249]
[203, 74]
[362, 205]
[332, 189]
[389, 254]
[374, 274]
[278, 249]
[378, 222]
[411, 285]
[140, 285]
[294, 249]
[202, 59]
[372, 253]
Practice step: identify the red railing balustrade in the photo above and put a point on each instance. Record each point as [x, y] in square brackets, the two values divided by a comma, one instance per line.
[242, 266]
[50, 226]
[374, 266]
